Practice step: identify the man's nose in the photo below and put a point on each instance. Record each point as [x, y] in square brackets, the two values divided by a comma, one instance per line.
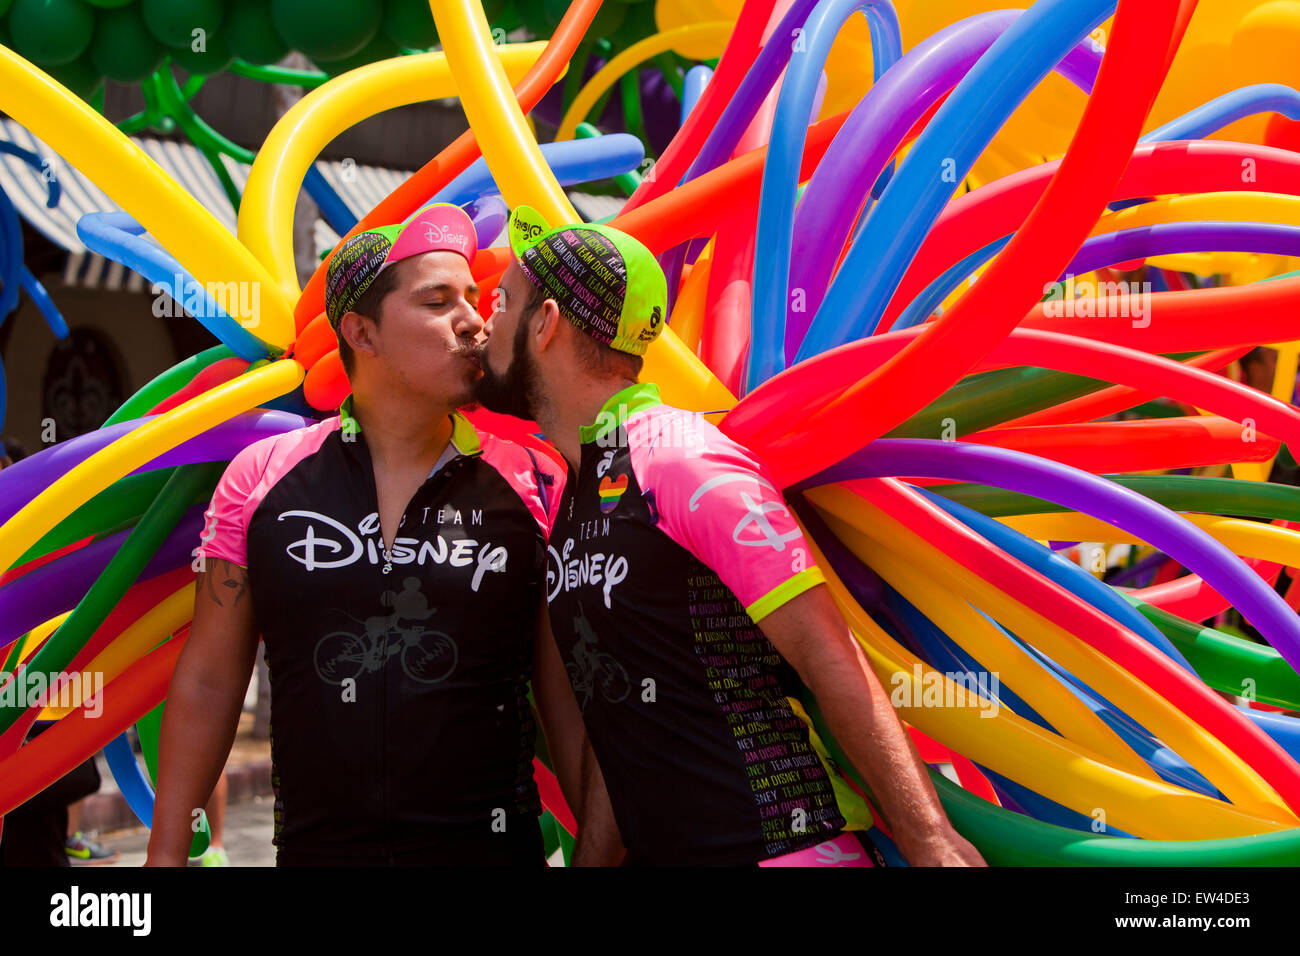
[470, 322]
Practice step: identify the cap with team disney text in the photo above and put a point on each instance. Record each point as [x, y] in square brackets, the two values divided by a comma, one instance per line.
[604, 281]
[440, 227]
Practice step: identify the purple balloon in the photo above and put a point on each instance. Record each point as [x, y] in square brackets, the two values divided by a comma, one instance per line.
[1088, 494]
[870, 136]
[1167, 238]
[58, 585]
[23, 481]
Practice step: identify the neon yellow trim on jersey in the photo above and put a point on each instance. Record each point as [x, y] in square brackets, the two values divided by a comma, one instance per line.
[784, 592]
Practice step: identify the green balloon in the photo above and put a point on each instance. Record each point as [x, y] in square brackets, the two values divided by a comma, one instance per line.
[4, 8]
[80, 76]
[409, 23]
[123, 49]
[327, 29]
[173, 22]
[380, 48]
[251, 34]
[213, 58]
[106, 4]
[51, 32]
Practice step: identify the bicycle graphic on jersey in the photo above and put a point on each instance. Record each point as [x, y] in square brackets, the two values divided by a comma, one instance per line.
[426, 656]
[592, 670]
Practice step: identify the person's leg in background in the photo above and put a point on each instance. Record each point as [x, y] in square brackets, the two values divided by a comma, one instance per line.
[81, 849]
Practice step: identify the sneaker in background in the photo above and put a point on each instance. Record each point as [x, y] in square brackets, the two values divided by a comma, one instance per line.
[83, 851]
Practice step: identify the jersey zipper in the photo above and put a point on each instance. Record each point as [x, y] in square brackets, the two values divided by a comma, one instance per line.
[432, 482]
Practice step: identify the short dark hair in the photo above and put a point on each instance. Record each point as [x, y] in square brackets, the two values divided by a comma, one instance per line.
[370, 305]
[596, 355]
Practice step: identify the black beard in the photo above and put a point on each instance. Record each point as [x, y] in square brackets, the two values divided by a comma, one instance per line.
[512, 393]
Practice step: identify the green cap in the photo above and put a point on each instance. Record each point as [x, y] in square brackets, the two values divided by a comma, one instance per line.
[604, 281]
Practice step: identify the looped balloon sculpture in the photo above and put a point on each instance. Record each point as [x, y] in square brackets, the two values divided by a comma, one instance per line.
[905, 333]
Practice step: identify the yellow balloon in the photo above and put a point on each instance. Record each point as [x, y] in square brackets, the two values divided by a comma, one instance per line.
[1015, 668]
[140, 637]
[1250, 538]
[688, 313]
[713, 35]
[510, 151]
[266, 212]
[39, 634]
[1024, 752]
[139, 447]
[852, 518]
[516, 163]
[103, 154]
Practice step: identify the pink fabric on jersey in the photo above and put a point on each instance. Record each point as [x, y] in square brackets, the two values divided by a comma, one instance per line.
[250, 475]
[516, 466]
[256, 469]
[844, 850]
[715, 500]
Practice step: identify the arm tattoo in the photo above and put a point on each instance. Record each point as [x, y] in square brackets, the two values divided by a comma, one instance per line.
[226, 579]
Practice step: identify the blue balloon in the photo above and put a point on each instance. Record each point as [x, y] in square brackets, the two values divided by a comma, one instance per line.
[572, 161]
[334, 210]
[940, 159]
[53, 317]
[130, 778]
[785, 153]
[1228, 108]
[1061, 571]
[697, 78]
[117, 236]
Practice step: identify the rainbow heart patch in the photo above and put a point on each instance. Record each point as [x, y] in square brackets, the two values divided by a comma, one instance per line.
[611, 490]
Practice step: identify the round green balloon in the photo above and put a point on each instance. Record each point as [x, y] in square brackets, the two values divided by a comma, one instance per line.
[250, 33]
[173, 22]
[380, 48]
[328, 30]
[80, 76]
[213, 58]
[51, 32]
[108, 4]
[409, 23]
[123, 49]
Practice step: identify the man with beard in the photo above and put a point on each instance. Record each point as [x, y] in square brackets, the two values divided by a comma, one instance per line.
[391, 557]
[682, 595]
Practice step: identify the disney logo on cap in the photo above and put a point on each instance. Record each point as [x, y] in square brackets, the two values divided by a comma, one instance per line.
[529, 230]
[434, 233]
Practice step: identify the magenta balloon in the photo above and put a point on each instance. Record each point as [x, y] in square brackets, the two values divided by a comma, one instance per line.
[870, 136]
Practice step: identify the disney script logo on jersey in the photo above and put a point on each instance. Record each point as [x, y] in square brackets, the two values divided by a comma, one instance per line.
[328, 543]
[590, 570]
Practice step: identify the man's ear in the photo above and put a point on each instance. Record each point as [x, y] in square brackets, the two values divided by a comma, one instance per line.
[550, 324]
[358, 332]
